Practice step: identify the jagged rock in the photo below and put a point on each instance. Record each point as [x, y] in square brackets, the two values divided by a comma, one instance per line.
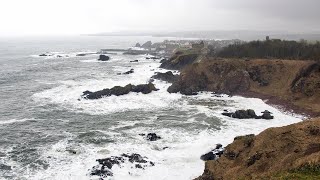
[167, 76]
[104, 168]
[147, 45]
[214, 154]
[153, 137]
[179, 61]
[118, 91]
[248, 114]
[103, 58]
[163, 60]
[137, 45]
[129, 72]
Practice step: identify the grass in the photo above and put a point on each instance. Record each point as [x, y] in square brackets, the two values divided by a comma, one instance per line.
[305, 172]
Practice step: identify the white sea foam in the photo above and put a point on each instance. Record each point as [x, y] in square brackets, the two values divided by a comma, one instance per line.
[11, 121]
[67, 94]
[181, 160]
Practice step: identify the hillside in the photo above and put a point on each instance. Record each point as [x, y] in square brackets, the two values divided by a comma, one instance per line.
[290, 152]
[294, 84]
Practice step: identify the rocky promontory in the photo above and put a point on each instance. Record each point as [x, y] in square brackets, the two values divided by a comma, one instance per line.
[290, 152]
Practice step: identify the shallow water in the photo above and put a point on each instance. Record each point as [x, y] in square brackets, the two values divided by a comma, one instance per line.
[42, 118]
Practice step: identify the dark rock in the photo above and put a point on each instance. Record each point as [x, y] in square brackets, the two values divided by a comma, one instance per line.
[109, 162]
[118, 91]
[248, 114]
[5, 167]
[174, 88]
[208, 156]
[153, 137]
[142, 134]
[104, 168]
[227, 114]
[214, 154]
[103, 58]
[135, 158]
[101, 172]
[129, 72]
[165, 148]
[81, 54]
[188, 92]
[134, 61]
[179, 61]
[59, 56]
[43, 55]
[167, 76]
[163, 60]
[267, 116]
[144, 88]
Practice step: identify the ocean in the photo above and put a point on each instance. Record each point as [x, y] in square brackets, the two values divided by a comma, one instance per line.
[48, 132]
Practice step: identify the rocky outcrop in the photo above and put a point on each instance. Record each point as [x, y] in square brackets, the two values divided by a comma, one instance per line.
[248, 114]
[307, 81]
[137, 45]
[151, 136]
[129, 72]
[103, 58]
[214, 154]
[179, 60]
[295, 84]
[167, 76]
[290, 152]
[118, 91]
[104, 167]
[147, 45]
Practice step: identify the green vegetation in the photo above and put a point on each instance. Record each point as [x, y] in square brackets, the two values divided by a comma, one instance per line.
[306, 172]
[275, 48]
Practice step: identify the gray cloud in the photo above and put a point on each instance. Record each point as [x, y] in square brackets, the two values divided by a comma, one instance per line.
[90, 16]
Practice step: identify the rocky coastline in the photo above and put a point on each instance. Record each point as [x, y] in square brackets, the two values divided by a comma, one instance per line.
[293, 86]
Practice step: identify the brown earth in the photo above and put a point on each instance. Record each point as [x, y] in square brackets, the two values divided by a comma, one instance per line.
[290, 152]
[290, 83]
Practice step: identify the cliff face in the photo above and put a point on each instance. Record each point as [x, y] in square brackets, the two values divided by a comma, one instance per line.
[290, 152]
[295, 82]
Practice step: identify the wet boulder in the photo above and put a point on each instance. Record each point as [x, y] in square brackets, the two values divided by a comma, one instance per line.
[144, 88]
[248, 114]
[103, 58]
[214, 154]
[104, 167]
[167, 76]
[119, 90]
[129, 72]
[153, 137]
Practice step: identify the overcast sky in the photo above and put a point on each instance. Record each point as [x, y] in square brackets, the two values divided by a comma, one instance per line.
[50, 17]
